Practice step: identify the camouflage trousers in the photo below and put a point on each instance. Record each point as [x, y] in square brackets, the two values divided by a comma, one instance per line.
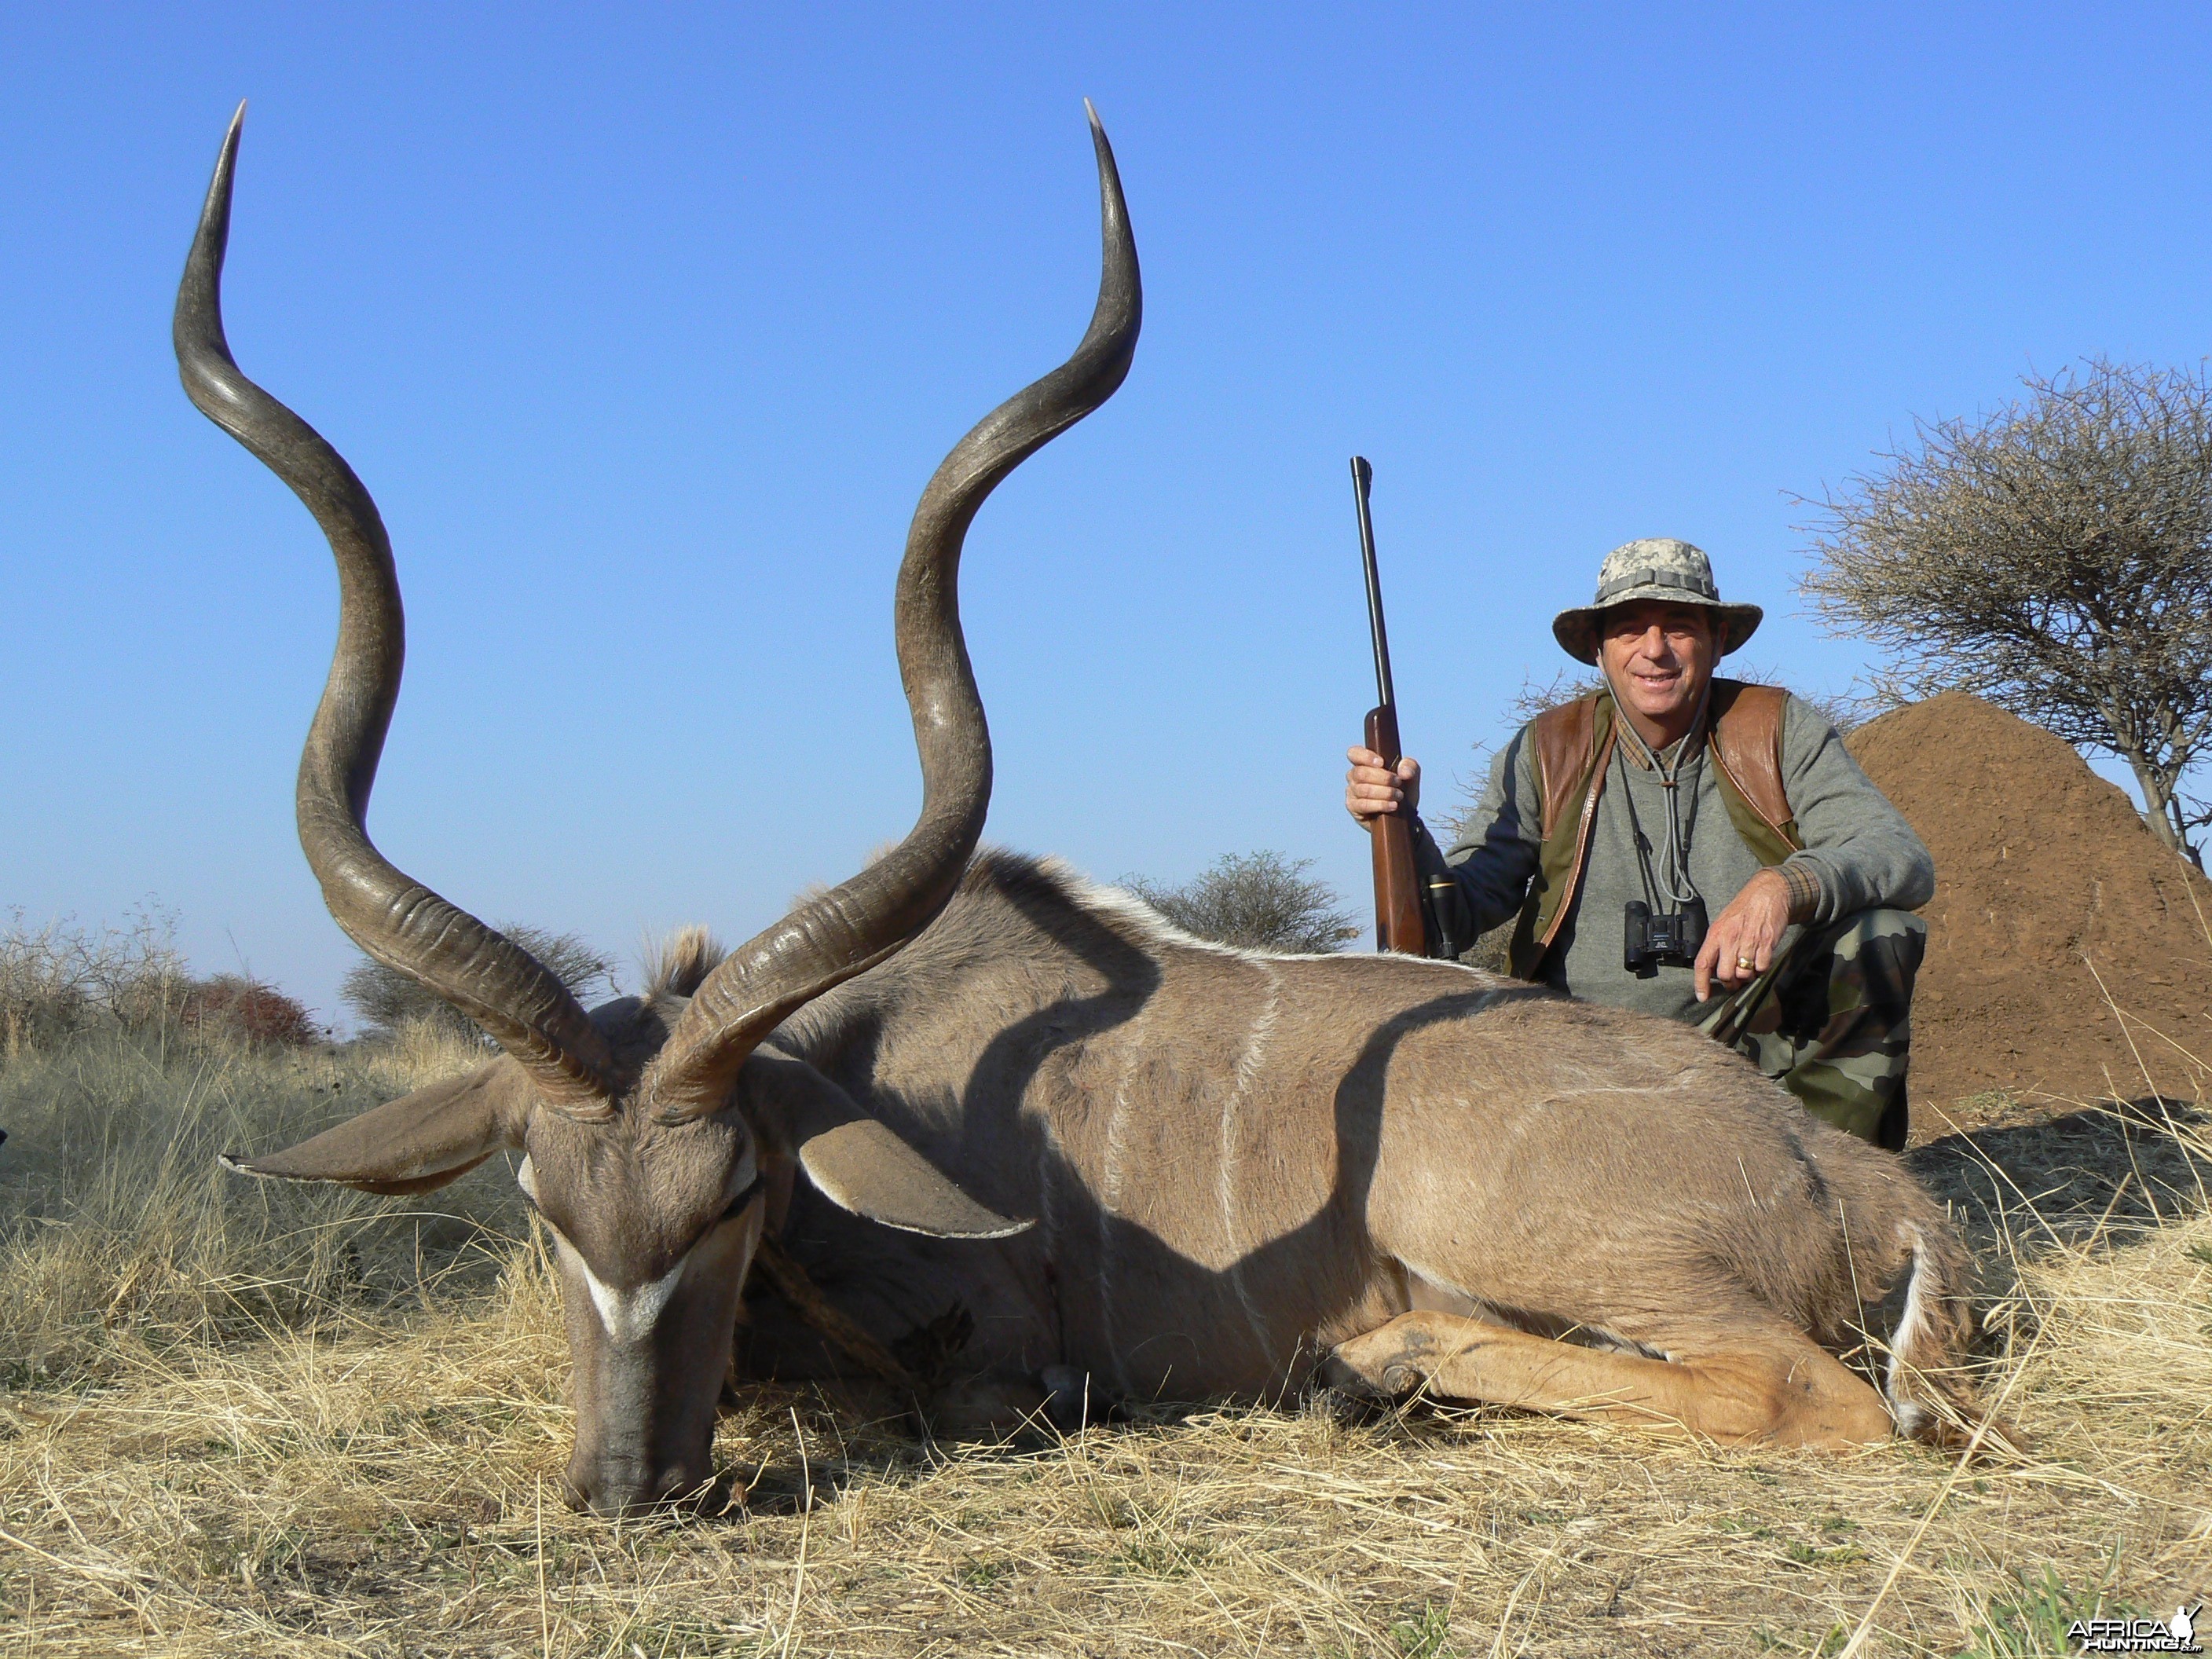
[1831, 1021]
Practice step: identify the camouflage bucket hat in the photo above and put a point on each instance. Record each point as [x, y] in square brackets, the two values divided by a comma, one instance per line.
[1661, 569]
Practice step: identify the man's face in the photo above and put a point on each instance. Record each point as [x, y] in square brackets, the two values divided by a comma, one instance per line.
[1658, 657]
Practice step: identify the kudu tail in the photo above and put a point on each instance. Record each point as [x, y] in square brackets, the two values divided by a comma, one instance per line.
[1925, 1378]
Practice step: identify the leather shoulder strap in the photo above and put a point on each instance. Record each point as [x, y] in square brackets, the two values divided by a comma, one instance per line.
[1565, 739]
[1747, 747]
[1573, 744]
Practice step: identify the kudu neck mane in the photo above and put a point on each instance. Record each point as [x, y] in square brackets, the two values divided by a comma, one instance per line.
[1094, 930]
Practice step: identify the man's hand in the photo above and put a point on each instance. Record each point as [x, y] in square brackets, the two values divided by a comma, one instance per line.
[1740, 944]
[1372, 789]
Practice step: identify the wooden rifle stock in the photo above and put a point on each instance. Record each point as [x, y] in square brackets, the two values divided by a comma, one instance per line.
[1399, 923]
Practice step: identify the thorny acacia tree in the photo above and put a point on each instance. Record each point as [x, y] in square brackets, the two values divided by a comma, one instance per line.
[1261, 901]
[2055, 557]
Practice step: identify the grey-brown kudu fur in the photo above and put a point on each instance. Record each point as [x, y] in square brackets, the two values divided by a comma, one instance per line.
[1252, 1171]
[1247, 1170]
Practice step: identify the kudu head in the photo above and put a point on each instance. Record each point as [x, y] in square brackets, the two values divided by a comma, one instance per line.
[652, 1126]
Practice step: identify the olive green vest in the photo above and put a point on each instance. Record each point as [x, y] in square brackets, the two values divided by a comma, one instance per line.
[1572, 750]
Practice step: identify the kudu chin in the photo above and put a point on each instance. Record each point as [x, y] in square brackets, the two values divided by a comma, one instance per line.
[658, 1142]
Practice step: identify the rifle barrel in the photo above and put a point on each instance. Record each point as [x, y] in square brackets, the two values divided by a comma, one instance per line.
[1362, 479]
[1399, 923]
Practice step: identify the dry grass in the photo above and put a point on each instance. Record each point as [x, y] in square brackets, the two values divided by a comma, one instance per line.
[281, 1453]
[120, 1223]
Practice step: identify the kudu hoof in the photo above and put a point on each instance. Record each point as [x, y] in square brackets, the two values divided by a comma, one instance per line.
[1072, 1399]
[1336, 1376]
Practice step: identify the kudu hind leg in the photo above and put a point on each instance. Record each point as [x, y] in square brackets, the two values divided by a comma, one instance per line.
[1778, 1389]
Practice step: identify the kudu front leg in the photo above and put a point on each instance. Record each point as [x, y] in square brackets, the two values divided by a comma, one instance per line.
[1776, 1388]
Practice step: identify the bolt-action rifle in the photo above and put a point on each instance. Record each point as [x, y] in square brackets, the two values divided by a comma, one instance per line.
[1401, 922]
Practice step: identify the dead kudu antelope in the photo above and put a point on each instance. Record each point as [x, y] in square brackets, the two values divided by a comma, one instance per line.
[1247, 1171]
[655, 1127]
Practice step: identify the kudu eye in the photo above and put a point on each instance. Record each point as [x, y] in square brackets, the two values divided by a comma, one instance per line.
[743, 1198]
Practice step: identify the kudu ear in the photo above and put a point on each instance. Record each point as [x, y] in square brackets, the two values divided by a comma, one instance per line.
[856, 1162]
[413, 1144]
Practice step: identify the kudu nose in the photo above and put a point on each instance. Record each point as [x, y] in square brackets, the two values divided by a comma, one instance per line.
[626, 1489]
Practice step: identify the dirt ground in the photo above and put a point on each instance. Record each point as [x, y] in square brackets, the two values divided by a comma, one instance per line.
[2070, 955]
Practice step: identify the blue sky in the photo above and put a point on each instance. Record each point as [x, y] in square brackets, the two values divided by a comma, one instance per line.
[647, 327]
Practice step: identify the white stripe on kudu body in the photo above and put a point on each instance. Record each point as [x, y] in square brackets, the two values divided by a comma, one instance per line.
[1110, 1206]
[1247, 1067]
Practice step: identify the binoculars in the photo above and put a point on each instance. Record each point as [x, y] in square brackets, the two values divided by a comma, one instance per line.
[1650, 942]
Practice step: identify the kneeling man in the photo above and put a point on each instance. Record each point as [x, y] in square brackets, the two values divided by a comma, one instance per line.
[1671, 835]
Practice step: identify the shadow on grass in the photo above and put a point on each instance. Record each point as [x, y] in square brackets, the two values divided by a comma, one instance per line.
[2096, 1176]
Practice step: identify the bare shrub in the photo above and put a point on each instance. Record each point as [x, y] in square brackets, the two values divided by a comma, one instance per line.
[61, 979]
[2053, 557]
[387, 1002]
[1260, 900]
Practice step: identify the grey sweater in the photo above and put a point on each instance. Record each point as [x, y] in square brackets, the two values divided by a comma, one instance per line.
[1857, 847]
